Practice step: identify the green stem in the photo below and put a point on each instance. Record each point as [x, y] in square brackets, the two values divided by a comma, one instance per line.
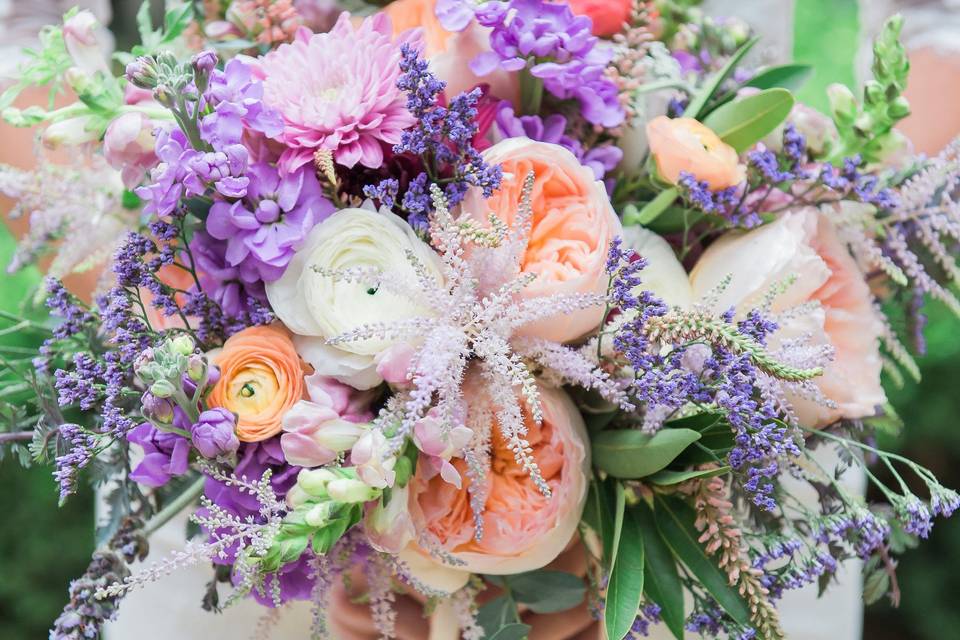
[531, 93]
[178, 504]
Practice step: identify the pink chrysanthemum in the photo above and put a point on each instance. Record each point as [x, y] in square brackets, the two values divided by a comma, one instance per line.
[338, 91]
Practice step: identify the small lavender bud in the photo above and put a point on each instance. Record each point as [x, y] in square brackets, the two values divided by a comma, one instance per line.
[203, 63]
[197, 368]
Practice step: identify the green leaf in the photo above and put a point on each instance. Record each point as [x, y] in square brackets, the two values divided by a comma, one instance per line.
[617, 508]
[604, 514]
[547, 591]
[696, 107]
[826, 35]
[675, 523]
[661, 578]
[667, 477]
[745, 121]
[625, 587]
[496, 614]
[652, 210]
[148, 38]
[515, 631]
[786, 76]
[630, 454]
[875, 585]
[176, 20]
[698, 422]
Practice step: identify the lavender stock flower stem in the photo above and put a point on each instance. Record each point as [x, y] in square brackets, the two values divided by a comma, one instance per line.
[178, 504]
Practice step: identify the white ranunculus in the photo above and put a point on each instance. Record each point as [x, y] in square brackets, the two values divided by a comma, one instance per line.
[317, 307]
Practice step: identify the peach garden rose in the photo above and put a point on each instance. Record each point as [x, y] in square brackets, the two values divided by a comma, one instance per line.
[261, 379]
[573, 225]
[803, 244]
[523, 530]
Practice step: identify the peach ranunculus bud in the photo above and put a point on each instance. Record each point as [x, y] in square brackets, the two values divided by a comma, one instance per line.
[450, 52]
[523, 529]
[261, 379]
[686, 145]
[608, 16]
[803, 245]
[573, 225]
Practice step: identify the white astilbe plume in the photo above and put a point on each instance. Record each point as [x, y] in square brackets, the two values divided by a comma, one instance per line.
[77, 201]
[474, 317]
[226, 531]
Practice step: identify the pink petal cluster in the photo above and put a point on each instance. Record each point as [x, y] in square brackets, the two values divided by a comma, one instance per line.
[338, 91]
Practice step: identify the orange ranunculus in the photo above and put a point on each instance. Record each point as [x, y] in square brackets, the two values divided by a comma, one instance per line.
[261, 378]
[573, 225]
[684, 144]
[608, 16]
[523, 530]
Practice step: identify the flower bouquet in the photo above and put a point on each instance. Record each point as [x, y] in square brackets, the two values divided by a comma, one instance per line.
[424, 297]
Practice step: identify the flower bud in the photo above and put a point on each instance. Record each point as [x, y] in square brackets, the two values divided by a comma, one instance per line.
[389, 526]
[158, 410]
[349, 490]
[296, 497]
[79, 80]
[143, 72]
[319, 514]
[197, 368]
[72, 131]
[314, 481]
[128, 145]
[83, 44]
[214, 433]
[183, 344]
[163, 389]
[842, 103]
[203, 63]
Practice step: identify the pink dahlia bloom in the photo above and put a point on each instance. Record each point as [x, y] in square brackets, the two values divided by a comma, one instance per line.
[338, 91]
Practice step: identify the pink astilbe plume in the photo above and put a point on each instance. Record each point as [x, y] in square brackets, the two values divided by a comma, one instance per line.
[338, 91]
[475, 316]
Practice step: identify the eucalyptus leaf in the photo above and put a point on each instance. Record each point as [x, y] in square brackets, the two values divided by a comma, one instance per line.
[547, 591]
[786, 76]
[675, 523]
[625, 586]
[667, 477]
[661, 577]
[496, 614]
[743, 122]
[631, 454]
[699, 102]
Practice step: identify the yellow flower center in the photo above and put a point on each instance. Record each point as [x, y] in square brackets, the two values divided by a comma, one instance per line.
[252, 390]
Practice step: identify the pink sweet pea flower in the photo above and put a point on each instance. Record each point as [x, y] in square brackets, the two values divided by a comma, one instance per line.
[128, 146]
[80, 35]
[438, 444]
[394, 362]
[389, 527]
[369, 457]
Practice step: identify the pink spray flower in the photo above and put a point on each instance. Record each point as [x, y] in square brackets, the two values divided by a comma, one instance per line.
[438, 444]
[128, 146]
[338, 91]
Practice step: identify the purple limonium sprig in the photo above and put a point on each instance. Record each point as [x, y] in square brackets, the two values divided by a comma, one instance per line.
[600, 159]
[558, 47]
[649, 614]
[723, 202]
[443, 137]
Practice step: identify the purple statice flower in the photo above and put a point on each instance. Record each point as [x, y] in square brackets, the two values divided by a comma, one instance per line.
[85, 614]
[265, 228]
[165, 454]
[767, 165]
[849, 180]
[943, 501]
[79, 385]
[914, 515]
[295, 580]
[565, 55]
[722, 202]
[600, 159]
[859, 528]
[443, 136]
[214, 433]
[794, 146]
[384, 193]
[81, 448]
[649, 614]
[74, 317]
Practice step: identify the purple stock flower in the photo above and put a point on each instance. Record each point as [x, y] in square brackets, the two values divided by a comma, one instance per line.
[552, 129]
[214, 433]
[165, 454]
[564, 53]
[238, 106]
[295, 580]
[267, 226]
[173, 178]
[233, 288]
